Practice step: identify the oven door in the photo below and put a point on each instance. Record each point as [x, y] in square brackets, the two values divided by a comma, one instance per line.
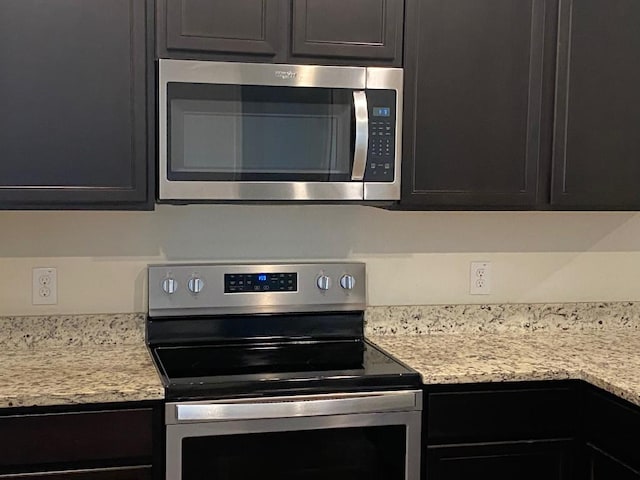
[249, 132]
[365, 436]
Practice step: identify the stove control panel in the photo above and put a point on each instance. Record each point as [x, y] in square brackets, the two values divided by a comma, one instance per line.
[195, 289]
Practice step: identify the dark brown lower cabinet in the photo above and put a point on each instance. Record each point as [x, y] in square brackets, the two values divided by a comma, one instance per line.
[108, 442]
[565, 430]
[95, 474]
[524, 431]
[601, 466]
[538, 460]
[612, 435]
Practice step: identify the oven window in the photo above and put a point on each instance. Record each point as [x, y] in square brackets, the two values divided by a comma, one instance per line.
[258, 133]
[363, 453]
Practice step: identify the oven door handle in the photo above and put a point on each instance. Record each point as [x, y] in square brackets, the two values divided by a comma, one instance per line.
[290, 407]
[362, 136]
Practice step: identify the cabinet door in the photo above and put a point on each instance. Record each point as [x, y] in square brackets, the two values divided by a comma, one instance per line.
[356, 29]
[501, 413]
[613, 426]
[233, 27]
[31, 441]
[475, 100]
[596, 162]
[601, 466]
[73, 90]
[508, 461]
[133, 473]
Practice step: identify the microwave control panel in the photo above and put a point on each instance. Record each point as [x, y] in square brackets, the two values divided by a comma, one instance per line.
[382, 136]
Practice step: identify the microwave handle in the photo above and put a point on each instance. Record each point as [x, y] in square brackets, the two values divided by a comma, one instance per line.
[362, 135]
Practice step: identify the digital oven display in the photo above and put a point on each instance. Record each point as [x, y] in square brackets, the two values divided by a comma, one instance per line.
[260, 282]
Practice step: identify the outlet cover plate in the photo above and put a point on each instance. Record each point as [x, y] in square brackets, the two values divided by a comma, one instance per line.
[480, 278]
[44, 290]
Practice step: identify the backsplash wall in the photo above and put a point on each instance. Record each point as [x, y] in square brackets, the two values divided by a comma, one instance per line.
[414, 258]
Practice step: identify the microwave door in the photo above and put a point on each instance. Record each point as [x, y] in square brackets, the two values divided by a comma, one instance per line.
[278, 140]
[361, 144]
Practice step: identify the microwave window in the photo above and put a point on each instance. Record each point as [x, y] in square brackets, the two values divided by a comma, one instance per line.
[230, 132]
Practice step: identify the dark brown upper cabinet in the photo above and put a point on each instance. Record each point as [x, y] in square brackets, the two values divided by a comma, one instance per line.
[76, 126]
[340, 32]
[238, 27]
[596, 163]
[522, 104]
[476, 90]
[348, 29]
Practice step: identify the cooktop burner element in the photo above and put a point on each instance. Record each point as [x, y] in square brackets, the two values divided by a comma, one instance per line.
[218, 331]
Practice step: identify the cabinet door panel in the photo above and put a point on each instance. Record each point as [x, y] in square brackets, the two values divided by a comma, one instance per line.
[473, 101]
[526, 461]
[613, 425]
[240, 26]
[73, 90]
[596, 161]
[368, 29]
[134, 473]
[492, 414]
[604, 467]
[75, 437]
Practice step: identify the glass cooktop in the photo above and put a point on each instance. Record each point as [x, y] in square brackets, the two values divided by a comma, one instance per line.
[264, 368]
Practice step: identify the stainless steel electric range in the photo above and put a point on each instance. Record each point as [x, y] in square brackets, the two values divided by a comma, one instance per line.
[267, 373]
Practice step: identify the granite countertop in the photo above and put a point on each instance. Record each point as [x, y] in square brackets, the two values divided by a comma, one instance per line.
[75, 360]
[602, 349]
[83, 359]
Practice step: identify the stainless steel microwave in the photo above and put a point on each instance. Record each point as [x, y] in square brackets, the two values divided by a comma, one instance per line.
[269, 132]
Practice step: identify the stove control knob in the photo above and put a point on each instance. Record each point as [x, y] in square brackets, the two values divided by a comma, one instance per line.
[195, 285]
[169, 285]
[323, 282]
[347, 282]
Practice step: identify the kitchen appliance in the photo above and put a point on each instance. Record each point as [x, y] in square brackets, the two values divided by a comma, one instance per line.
[272, 132]
[267, 374]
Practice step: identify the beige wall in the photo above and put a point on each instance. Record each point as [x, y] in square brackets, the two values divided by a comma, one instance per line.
[413, 257]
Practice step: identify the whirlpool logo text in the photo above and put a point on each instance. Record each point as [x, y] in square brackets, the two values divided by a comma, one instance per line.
[286, 74]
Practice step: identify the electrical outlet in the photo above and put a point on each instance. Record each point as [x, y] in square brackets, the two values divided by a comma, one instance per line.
[480, 278]
[44, 290]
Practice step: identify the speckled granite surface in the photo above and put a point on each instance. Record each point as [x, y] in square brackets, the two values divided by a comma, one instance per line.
[596, 342]
[504, 318]
[73, 375]
[75, 359]
[72, 330]
[102, 358]
[609, 359]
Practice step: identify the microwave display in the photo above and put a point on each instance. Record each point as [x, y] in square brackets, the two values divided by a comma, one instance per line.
[381, 111]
